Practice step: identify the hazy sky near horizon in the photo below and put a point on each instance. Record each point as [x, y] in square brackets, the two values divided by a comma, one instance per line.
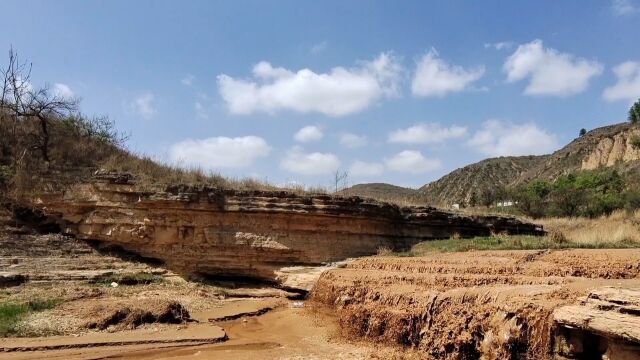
[290, 91]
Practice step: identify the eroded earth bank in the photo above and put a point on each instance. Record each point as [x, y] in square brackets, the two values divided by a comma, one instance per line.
[562, 304]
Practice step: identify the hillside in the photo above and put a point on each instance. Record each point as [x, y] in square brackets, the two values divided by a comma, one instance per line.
[604, 146]
[608, 146]
[459, 185]
[381, 191]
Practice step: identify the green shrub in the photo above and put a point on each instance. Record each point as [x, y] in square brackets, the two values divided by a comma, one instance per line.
[635, 142]
[632, 200]
[583, 193]
[634, 113]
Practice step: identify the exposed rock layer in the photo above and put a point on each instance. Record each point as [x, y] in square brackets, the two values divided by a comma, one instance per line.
[613, 150]
[206, 231]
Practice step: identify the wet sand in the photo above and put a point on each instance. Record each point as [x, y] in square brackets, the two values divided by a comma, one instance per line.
[286, 332]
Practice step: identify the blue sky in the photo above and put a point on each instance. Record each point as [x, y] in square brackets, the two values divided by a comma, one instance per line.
[399, 92]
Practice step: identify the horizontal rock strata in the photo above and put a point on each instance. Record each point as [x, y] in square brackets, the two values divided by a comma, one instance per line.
[208, 231]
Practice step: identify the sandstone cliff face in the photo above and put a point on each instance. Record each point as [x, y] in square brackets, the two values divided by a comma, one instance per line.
[611, 150]
[205, 231]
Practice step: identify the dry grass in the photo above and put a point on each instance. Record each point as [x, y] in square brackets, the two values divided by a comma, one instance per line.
[154, 174]
[384, 251]
[620, 226]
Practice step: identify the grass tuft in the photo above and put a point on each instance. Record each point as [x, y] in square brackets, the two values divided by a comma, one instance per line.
[11, 313]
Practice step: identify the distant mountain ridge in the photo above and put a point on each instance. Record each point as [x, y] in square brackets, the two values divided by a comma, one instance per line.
[607, 146]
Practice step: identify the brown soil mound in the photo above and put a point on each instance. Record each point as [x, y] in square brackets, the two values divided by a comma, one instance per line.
[489, 305]
[130, 317]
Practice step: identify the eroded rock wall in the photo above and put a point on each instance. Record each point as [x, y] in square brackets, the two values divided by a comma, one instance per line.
[614, 149]
[251, 233]
[492, 304]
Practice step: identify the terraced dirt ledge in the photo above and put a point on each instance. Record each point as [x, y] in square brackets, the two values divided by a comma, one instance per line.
[565, 304]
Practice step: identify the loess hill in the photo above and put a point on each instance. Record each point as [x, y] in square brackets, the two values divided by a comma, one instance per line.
[609, 146]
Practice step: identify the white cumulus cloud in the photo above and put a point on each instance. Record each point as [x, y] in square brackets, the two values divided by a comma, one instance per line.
[436, 77]
[352, 140]
[63, 91]
[412, 161]
[502, 45]
[315, 163]
[188, 80]
[627, 86]
[549, 71]
[319, 47]
[219, 152]
[364, 169]
[501, 138]
[624, 7]
[308, 134]
[338, 92]
[144, 105]
[427, 133]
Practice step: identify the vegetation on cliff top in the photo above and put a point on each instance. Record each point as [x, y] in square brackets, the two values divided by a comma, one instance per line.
[47, 144]
[634, 113]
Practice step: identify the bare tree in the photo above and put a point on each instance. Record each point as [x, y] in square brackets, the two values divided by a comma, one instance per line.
[21, 102]
[340, 180]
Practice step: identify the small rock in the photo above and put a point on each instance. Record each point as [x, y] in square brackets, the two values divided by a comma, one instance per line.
[114, 284]
[297, 304]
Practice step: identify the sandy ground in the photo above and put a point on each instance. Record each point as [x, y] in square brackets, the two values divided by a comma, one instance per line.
[287, 332]
[264, 323]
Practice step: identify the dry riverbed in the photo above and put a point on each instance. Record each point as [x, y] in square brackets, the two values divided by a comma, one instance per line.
[64, 299]
[77, 302]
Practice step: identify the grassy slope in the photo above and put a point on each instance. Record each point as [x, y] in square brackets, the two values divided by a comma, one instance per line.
[457, 186]
[383, 192]
[616, 231]
[520, 242]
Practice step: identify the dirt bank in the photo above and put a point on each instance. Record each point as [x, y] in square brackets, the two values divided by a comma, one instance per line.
[490, 305]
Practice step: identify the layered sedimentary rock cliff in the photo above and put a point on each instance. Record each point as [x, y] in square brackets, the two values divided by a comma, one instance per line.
[207, 231]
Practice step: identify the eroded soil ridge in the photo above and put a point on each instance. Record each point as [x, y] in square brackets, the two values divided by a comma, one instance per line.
[491, 305]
